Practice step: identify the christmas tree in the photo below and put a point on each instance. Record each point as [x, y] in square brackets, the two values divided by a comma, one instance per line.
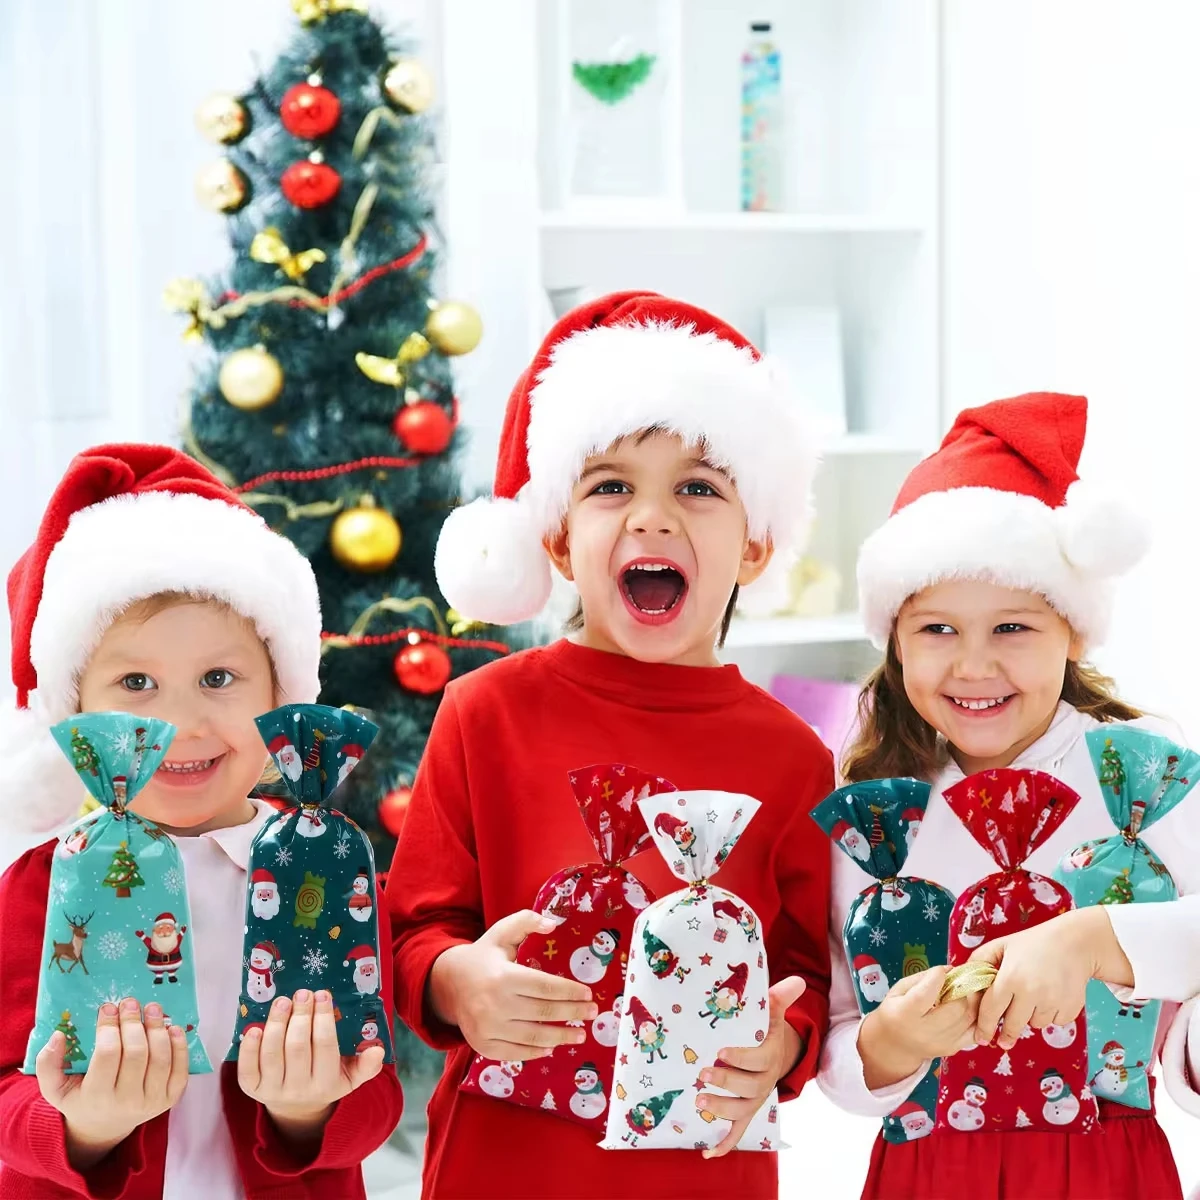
[123, 872]
[326, 397]
[548, 1100]
[1120, 891]
[73, 1053]
[87, 761]
[1023, 1122]
[1112, 770]
[1004, 1066]
[998, 915]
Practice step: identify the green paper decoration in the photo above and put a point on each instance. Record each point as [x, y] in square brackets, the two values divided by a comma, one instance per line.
[610, 83]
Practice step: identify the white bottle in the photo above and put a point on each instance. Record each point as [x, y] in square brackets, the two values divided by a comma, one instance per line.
[762, 104]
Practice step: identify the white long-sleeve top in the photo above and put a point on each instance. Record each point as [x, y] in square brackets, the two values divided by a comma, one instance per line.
[1161, 941]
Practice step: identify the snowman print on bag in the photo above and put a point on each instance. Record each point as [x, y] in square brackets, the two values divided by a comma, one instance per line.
[1061, 1107]
[588, 1100]
[497, 1080]
[589, 964]
[966, 1114]
[606, 1027]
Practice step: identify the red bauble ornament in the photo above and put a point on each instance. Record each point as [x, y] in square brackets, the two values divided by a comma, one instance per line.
[423, 668]
[393, 808]
[310, 184]
[309, 111]
[424, 427]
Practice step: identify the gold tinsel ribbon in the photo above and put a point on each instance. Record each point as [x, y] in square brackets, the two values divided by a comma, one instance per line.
[964, 980]
[188, 296]
[317, 10]
[269, 247]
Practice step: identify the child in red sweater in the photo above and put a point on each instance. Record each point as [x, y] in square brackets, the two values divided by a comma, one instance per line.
[151, 589]
[649, 456]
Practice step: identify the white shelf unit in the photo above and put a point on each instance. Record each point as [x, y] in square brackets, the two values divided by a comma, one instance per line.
[861, 229]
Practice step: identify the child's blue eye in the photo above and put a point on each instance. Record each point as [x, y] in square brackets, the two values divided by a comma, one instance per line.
[217, 679]
[610, 487]
[697, 487]
[137, 682]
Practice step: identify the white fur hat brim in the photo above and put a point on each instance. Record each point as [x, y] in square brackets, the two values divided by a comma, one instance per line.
[1070, 555]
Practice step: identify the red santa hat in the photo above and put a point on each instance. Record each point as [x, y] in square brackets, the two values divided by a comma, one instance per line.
[269, 948]
[840, 829]
[668, 824]
[125, 523]
[1109, 1047]
[165, 919]
[360, 954]
[640, 1013]
[862, 961]
[910, 1108]
[262, 875]
[621, 364]
[912, 814]
[1001, 500]
[353, 751]
[737, 979]
[279, 743]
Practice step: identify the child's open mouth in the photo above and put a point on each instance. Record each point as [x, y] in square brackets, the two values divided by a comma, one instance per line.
[981, 706]
[653, 590]
[188, 773]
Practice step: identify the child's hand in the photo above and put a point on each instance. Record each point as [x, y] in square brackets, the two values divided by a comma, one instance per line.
[1043, 972]
[505, 1011]
[751, 1072]
[137, 1071]
[909, 1027]
[293, 1068]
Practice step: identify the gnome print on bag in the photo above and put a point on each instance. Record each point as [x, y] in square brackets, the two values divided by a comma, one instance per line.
[680, 832]
[164, 947]
[725, 999]
[644, 1117]
[664, 962]
[648, 1031]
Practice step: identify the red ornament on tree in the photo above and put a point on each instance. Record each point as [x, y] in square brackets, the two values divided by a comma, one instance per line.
[393, 808]
[309, 110]
[422, 667]
[310, 183]
[424, 427]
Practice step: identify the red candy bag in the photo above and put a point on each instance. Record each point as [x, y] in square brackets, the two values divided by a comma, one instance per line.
[595, 906]
[1042, 1082]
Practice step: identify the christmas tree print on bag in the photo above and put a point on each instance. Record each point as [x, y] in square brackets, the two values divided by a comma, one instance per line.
[594, 906]
[1042, 1082]
[1142, 778]
[897, 926]
[117, 918]
[697, 983]
[310, 905]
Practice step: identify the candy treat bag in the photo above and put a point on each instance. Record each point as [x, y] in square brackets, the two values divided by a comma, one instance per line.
[1042, 1082]
[594, 906]
[1142, 778]
[897, 926]
[117, 918]
[697, 983]
[310, 905]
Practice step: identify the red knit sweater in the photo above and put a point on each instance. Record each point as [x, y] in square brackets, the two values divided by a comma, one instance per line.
[492, 817]
[33, 1139]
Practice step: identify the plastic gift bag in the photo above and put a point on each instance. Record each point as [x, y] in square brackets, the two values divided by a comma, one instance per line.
[897, 926]
[117, 917]
[1042, 1082]
[310, 906]
[595, 906]
[1142, 778]
[697, 983]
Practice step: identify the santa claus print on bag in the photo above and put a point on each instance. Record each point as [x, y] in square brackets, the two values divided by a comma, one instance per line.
[264, 895]
[594, 906]
[164, 947]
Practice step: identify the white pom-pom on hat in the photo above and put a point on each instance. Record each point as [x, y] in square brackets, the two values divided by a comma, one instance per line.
[490, 563]
[1101, 534]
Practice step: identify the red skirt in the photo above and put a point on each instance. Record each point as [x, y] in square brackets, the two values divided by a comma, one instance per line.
[1127, 1156]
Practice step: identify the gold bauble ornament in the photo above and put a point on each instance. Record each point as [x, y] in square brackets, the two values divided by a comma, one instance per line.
[221, 187]
[251, 379]
[454, 328]
[409, 85]
[223, 119]
[365, 538]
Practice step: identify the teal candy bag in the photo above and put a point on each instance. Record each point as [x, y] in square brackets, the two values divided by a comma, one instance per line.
[117, 917]
[1143, 776]
[310, 907]
[899, 925]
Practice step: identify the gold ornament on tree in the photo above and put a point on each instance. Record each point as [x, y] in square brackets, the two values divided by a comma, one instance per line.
[269, 247]
[392, 371]
[251, 379]
[317, 10]
[409, 85]
[221, 187]
[222, 119]
[188, 296]
[365, 538]
[453, 327]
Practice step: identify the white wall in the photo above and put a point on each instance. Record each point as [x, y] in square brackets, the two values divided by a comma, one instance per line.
[1072, 189]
